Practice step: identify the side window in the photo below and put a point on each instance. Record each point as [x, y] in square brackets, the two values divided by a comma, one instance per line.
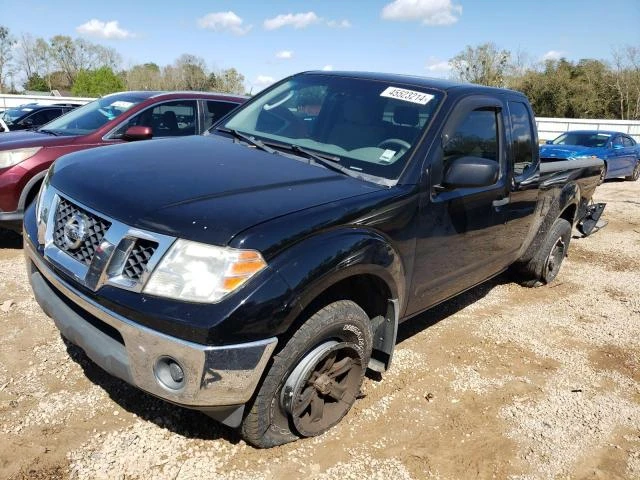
[52, 113]
[617, 142]
[37, 118]
[475, 136]
[174, 119]
[521, 137]
[169, 119]
[216, 110]
[628, 142]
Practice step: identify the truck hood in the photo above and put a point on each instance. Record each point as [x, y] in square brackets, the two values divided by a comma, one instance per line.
[31, 138]
[206, 189]
[568, 151]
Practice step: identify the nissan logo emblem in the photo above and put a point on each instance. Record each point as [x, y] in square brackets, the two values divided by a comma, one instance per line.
[75, 230]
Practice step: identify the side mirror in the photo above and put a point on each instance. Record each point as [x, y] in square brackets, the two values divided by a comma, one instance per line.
[137, 132]
[471, 172]
[549, 142]
[27, 122]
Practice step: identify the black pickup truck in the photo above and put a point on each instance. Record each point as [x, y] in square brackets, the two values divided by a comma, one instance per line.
[256, 272]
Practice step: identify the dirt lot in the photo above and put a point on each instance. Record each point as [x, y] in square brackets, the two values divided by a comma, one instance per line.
[503, 382]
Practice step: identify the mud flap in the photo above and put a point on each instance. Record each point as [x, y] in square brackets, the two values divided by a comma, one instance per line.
[385, 331]
[590, 222]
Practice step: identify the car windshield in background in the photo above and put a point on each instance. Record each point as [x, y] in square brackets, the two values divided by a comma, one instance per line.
[92, 116]
[13, 114]
[364, 126]
[582, 139]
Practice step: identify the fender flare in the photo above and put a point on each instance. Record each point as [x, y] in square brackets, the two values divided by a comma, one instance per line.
[568, 196]
[338, 255]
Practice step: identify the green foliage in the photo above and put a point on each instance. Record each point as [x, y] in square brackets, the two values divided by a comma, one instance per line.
[94, 83]
[36, 83]
[560, 88]
[572, 90]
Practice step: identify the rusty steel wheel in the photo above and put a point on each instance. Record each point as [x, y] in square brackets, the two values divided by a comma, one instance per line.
[603, 175]
[323, 386]
[554, 260]
[314, 378]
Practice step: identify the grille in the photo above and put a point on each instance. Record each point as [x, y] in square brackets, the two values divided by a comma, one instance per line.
[137, 260]
[95, 229]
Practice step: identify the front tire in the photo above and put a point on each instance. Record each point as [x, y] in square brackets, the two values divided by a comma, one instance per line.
[635, 174]
[545, 264]
[314, 380]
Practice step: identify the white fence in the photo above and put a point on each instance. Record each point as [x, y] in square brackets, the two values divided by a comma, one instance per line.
[9, 101]
[550, 128]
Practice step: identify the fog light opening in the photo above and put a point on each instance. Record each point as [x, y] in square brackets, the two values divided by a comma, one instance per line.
[169, 373]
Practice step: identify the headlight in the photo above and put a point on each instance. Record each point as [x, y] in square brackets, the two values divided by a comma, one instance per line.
[196, 272]
[9, 158]
[44, 201]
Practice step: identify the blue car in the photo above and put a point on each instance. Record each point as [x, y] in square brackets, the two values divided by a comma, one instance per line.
[620, 152]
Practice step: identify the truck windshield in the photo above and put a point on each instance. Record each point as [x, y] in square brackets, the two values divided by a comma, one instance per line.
[362, 125]
[92, 116]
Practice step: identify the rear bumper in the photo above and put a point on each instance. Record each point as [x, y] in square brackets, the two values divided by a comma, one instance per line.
[213, 375]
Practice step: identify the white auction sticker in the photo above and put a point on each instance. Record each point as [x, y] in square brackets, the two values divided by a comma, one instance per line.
[387, 155]
[407, 95]
[121, 104]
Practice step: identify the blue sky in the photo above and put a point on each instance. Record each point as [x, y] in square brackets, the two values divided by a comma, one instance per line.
[267, 40]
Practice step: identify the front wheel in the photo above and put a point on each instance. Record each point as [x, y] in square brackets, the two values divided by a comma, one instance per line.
[314, 380]
[635, 174]
[545, 264]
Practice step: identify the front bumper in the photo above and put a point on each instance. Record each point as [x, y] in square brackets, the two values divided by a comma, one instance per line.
[213, 375]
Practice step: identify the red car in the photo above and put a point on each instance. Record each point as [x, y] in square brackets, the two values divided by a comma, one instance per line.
[26, 156]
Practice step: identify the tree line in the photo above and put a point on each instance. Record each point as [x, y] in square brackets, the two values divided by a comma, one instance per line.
[84, 68]
[588, 88]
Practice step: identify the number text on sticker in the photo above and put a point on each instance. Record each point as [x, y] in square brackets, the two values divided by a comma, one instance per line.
[407, 95]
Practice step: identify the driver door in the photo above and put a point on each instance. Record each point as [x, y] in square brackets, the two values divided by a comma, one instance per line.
[460, 230]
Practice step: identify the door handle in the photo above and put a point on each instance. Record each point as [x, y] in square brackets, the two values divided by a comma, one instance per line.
[501, 202]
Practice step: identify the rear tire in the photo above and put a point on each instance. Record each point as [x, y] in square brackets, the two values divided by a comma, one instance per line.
[635, 174]
[337, 338]
[545, 264]
[603, 175]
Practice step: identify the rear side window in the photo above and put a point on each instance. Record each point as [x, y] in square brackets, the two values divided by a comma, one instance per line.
[215, 111]
[476, 136]
[628, 142]
[44, 116]
[52, 113]
[521, 137]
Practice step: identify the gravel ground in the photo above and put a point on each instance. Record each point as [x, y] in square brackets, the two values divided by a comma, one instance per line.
[502, 382]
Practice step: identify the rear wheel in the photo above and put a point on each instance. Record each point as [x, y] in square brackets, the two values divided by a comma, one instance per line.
[603, 175]
[545, 265]
[635, 174]
[314, 380]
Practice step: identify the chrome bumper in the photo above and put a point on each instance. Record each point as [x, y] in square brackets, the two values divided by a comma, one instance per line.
[213, 375]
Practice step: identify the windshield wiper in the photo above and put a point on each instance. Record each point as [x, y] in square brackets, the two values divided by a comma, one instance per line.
[247, 139]
[327, 162]
[50, 132]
